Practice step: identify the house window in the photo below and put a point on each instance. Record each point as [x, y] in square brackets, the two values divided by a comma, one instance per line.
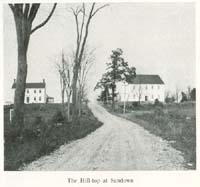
[152, 96]
[146, 87]
[39, 98]
[134, 96]
[133, 87]
[34, 91]
[27, 91]
[158, 87]
[40, 91]
[34, 98]
[152, 86]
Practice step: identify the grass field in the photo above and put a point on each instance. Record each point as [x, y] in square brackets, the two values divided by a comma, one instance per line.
[42, 134]
[174, 122]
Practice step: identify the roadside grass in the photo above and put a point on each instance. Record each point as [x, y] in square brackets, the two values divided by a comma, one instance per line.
[174, 122]
[42, 134]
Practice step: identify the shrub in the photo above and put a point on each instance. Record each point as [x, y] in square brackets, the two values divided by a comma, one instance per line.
[11, 133]
[29, 134]
[42, 108]
[193, 94]
[174, 115]
[160, 121]
[37, 120]
[158, 103]
[35, 107]
[35, 129]
[184, 97]
[169, 99]
[58, 117]
[135, 103]
[158, 111]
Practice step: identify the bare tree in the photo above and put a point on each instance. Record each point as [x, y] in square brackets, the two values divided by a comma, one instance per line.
[86, 64]
[177, 94]
[24, 15]
[68, 82]
[188, 92]
[167, 93]
[168, 96]
[61, 70]
[139, 93]
[126, 97]
[65, 69]
[83, 21]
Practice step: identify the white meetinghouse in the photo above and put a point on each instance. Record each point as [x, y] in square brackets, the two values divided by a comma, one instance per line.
[142, 88]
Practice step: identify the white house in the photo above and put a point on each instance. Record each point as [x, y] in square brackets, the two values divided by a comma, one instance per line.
[34, 93]
[144, 88]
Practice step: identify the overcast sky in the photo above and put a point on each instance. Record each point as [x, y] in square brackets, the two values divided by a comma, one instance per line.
[157, 38]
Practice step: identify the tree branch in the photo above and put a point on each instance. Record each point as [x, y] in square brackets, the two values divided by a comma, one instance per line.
[33, 11]
[19, 8]
[26, 9]
[98, 9]
[12, 7]
[46, 20]
[77, 29]
[83, 21]
[86, 33]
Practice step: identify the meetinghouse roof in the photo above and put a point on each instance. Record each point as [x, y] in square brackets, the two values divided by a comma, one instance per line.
[146, 79]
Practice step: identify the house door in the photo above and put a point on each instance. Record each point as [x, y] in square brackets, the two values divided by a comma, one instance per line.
[27, 99]
[146, 98]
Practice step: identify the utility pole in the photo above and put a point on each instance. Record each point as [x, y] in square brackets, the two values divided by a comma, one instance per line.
[124, 111]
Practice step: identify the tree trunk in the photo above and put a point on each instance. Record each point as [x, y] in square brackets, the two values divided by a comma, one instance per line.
[74, 92]
[68, 107]
[81, 42]
[63, 100]
[62, 92]
[18, 117]
[80, 103]
[113, 97]
[23, 16]
[106, 95]
[23, 35]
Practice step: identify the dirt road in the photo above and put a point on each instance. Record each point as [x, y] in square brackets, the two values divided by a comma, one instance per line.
[117, 145]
